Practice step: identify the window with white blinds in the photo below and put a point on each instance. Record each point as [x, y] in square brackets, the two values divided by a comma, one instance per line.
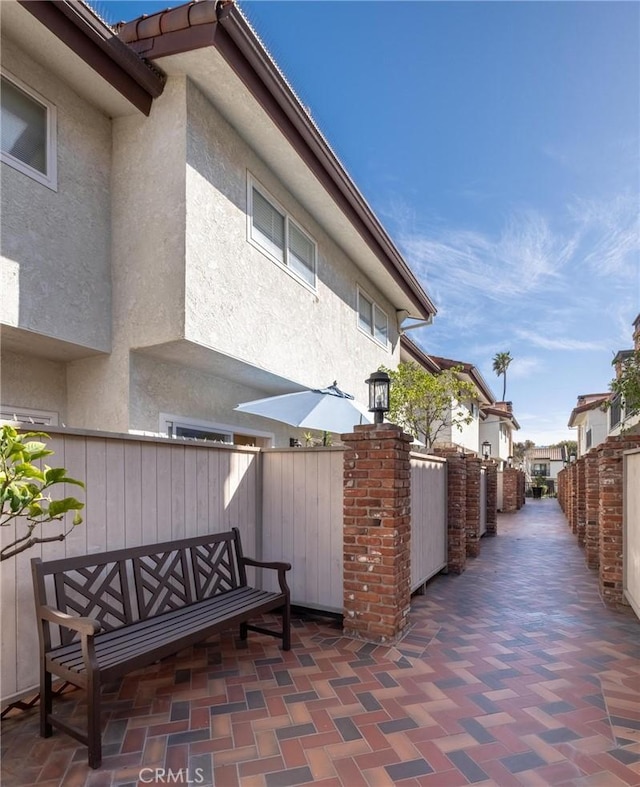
[27, 131]
[275, 232]
[372, 319]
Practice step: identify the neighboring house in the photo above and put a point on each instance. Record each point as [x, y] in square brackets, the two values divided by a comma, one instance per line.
[496, 428]
[545, 462]
[178, 236]
[590, 417]
[621, 418]
[466, 436]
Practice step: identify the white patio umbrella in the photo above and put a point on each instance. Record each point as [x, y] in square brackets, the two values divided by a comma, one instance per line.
[327, 409]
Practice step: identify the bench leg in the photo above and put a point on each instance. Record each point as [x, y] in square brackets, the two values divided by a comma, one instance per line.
[286, 628]
[46, 702]
[94, 732]
[244, 630]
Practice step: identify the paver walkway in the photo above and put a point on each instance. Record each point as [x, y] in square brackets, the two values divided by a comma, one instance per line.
[512, 674]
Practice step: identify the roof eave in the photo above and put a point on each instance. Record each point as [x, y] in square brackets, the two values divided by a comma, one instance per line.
[97, 45]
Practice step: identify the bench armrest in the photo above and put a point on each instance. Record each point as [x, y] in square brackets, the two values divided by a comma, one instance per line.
[86, 626]
[281, 568]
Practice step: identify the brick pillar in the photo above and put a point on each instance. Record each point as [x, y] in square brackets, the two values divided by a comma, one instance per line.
[562, 490]
[573, 511]
[610, 467]
[521, 488]
[592, 501]
[581, 513]
[509, 490]
[474, 465]
[491, 470]
[377, 532]
[456, 508]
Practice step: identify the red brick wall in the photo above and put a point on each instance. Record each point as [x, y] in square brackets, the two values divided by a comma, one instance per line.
[474, 465]
[377, 532]
[592, 503]
[610, 516]
[491, 470]
[580, 501]
[456, 508]
[510, 490]
[591, 495]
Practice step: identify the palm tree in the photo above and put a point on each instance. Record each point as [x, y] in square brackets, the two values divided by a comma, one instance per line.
[501, 363]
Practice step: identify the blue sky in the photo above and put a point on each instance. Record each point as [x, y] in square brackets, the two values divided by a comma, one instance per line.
[499, 143]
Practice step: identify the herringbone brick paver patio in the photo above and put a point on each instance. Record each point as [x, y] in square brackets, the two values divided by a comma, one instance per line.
[513, 673]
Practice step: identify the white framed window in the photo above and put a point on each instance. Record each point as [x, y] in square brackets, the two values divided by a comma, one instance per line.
[185, 427]
[372, 320]
[28, 417]
[274, 232]
[28, 138]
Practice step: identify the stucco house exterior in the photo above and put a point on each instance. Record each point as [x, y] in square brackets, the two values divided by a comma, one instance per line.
[590, 417]
[485, 413]
[497, 425]
[545, 462]
[190, 242]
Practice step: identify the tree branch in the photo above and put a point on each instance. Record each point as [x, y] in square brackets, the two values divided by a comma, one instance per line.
[27, 545]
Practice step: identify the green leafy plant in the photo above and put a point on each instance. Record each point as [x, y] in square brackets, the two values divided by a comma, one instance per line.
[627, 382]
[424, 404]
[25, 495]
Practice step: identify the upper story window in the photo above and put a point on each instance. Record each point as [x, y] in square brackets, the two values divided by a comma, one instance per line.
[372, 319]
[473, 409]
[277, 234]
[28, 132]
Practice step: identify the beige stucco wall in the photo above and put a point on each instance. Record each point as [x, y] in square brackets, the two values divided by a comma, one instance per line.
[147, 257]
[500, 443]
[34, 384]
[189, 393]
[238, 300]
[56, 245]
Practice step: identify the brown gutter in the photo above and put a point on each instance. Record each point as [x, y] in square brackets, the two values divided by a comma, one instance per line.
[96, 43]
[418, 355]
[277, 98]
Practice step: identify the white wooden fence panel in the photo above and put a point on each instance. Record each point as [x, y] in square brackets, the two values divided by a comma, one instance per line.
[138, 491]
[483, 501]
[428, 517]
[302, 522]
[631, 548]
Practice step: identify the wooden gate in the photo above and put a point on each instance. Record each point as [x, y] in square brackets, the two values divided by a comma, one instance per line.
[428, 517]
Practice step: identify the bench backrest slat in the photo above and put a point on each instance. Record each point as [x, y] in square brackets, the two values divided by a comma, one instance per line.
[125, 585]
[162, 582]
[100, 591]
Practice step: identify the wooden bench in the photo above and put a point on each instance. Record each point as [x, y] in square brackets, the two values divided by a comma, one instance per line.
[101, 616]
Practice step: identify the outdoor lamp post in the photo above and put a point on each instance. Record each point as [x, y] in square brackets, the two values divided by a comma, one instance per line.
[378, 383]
[486, 449]
[572, 457]
[510, 461]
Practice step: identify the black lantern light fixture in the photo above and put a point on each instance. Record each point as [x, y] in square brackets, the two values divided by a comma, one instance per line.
[510, 461]
[379, 383]
[486, 449]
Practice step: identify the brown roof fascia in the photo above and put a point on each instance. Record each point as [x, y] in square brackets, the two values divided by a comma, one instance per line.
[419, 356]
[501, 414]
[583, 408]
[93, 41]
[236, 41]
[287, 112]
[470, 369]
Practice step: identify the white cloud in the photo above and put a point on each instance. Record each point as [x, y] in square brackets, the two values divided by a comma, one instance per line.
[558, 343]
